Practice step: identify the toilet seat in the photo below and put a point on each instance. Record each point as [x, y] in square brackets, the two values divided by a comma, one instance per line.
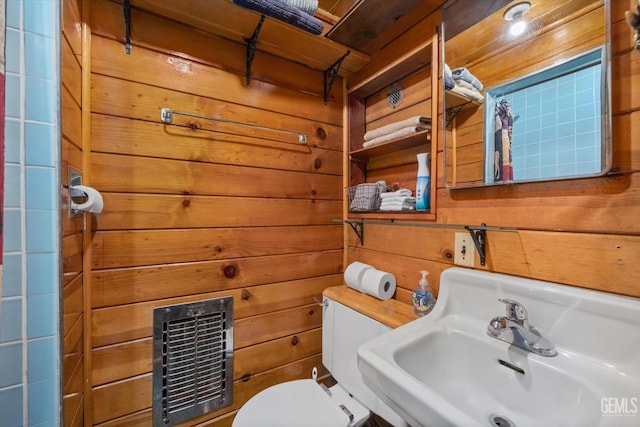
[299, 403]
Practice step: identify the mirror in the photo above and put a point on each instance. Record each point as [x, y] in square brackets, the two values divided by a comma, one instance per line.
[527, 106]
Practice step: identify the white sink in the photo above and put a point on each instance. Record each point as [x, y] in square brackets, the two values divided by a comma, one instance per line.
[444, 370]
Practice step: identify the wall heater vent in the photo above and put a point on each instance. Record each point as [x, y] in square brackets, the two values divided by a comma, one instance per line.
[192, 360]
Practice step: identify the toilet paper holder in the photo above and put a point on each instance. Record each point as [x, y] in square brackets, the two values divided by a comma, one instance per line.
[75, 189]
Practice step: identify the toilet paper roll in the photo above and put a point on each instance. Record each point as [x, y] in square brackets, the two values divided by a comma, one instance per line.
[378, 284]
[94, 201]
[353, 274]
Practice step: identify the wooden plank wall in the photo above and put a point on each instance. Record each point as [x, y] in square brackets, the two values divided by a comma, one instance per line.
[199, 210]
[399, 168]
[577, 232]
[72, 229]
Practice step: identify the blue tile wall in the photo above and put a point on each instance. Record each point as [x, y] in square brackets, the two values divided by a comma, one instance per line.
[30, 315]
[11, 356]
[12, 274]
[10, 400]
[561, 133]
[11, 319]
[40, 143]
[12, 139]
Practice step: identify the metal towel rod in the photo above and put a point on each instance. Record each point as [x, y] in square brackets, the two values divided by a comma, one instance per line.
[166, 116]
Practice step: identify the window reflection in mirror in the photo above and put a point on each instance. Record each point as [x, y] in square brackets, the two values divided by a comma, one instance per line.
[547, 125]
[551, 80]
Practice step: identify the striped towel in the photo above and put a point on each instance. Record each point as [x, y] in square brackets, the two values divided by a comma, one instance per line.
[284, 12]
[307, 6]
[420, 122]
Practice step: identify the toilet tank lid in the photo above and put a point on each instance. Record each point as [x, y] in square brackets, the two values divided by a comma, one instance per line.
[291, 404]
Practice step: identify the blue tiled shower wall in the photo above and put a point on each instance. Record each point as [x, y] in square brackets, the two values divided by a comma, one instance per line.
[29, 315]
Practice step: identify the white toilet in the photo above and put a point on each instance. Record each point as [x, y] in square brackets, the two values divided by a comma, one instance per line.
[305, 403]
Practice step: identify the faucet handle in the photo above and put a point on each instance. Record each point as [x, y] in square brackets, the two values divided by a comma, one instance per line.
[515, 310]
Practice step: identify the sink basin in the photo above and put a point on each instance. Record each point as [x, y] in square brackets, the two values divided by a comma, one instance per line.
[444, 370]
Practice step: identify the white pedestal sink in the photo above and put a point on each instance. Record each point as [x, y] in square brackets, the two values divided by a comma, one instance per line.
[445, 370]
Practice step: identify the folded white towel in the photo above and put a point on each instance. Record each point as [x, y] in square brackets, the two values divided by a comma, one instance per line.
[403, 192]
[399, 200]
[402, 203]
[420, 122]
[471, 94]
[397, 134]
[466, 85]
[403, 207]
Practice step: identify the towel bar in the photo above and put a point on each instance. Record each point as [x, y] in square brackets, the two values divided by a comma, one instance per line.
[166, 116]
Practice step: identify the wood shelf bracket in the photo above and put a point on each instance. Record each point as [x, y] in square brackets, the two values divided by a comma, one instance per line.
[330, 74]
[251, 48]
[479, 236]
[358, 228]
[126, 6]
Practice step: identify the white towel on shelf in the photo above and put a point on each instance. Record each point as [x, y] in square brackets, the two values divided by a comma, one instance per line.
[398, 200]
[395, 135]
[419, 122]
[398, 204]
[403, 192]
[468, 93]
[402, 207]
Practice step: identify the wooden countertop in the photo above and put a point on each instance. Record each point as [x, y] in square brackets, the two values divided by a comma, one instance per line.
[392, 313]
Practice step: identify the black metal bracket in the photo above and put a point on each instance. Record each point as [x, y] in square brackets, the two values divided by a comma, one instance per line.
[127, 24]
[479, 236]
[251, 48]
[453, 112]
[330, 75]
[358, 228]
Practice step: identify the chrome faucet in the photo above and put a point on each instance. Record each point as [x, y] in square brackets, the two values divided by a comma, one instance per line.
[514, 329]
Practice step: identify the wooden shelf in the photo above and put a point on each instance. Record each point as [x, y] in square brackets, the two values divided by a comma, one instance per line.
[394, 160]
[406, 64]
[366, 20]
[394, 215]
[410, 141]
[455, 100]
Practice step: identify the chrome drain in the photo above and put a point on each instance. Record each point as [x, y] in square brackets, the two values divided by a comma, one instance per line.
[500, 421]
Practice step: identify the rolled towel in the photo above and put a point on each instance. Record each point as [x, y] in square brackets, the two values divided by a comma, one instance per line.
[449, 83]
[395, 135]
[447, 71]
[284, 12]
[403, 192]
[421, 122]
[464, 74]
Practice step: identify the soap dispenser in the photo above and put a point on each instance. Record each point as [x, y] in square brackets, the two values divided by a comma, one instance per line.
[422, 298]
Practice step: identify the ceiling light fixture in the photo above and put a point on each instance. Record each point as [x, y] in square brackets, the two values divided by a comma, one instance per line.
[514, 15]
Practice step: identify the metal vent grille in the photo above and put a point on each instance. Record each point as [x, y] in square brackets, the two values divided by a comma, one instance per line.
[395, 95]
[192, 360]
